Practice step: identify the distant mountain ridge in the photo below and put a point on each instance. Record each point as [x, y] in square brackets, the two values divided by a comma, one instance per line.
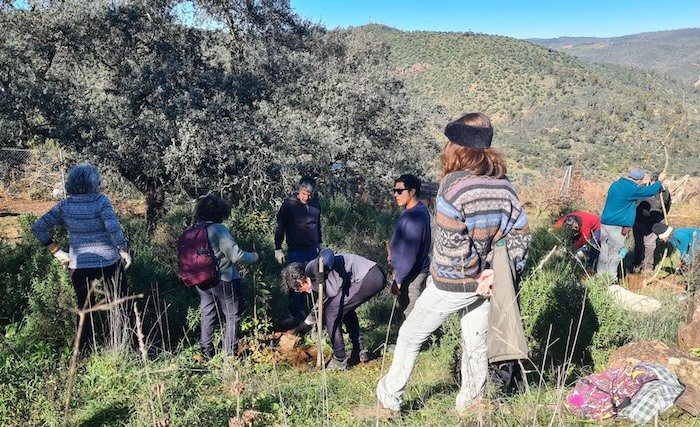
[674, 53]
[549, 107]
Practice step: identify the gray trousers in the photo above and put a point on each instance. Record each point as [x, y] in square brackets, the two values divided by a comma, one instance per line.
[410, 292]
[644, 248]
[224, 296]
[431, 310]
[611, 242]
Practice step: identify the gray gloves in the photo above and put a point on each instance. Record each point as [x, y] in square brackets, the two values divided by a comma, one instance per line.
[126, 257]
[279, 256]
[62, 257]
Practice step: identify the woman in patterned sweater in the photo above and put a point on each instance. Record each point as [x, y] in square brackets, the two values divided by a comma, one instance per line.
[476, 207]
[97, 247]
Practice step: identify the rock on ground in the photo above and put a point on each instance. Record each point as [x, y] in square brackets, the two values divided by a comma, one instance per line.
[689, 331]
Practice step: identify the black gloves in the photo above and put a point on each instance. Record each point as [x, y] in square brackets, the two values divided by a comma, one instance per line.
[302, 329]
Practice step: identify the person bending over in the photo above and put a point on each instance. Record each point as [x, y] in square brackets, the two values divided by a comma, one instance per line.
[350, 281]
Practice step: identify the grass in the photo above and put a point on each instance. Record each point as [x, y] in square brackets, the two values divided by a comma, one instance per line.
[113, 391]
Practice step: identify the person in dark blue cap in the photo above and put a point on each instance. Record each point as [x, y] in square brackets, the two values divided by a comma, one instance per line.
[618, 216]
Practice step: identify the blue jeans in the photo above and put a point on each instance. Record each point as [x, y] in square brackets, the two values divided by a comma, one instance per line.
[299, 302]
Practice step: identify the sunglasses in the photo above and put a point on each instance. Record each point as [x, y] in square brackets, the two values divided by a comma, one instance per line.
[399, 190]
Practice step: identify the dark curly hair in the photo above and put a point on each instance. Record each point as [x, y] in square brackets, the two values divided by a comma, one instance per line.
[83, 178]
[292, 273]
[212, 208]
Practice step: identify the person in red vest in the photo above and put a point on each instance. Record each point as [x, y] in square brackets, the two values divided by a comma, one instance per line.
[585, 227]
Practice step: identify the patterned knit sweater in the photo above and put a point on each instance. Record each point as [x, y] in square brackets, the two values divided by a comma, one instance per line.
[474, 212]
[95, 235]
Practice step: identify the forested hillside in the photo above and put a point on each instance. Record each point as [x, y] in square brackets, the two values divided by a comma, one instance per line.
[675, 53]
[550, 107]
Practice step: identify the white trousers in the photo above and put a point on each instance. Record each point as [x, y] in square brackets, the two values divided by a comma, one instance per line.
[430, 312]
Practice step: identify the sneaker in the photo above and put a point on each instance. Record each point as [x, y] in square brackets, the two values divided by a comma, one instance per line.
[337, 364]
[377, 412]
[357, 358]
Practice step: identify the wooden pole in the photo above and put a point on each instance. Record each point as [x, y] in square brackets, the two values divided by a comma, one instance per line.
[319, 318]
[663, 208]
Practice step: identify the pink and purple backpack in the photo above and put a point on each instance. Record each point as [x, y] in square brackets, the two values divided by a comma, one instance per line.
[196, 264]
[600, 396]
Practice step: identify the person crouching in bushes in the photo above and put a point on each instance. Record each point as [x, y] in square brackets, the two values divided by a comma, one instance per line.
[224, 294]
[685, 240]
[585, 233]
[98, 251]
[351, 280]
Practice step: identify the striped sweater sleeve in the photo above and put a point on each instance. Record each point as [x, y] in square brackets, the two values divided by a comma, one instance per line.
[111, 223]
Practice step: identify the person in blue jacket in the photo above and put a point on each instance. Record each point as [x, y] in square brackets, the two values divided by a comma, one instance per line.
[685, 240]
[98, 253]
[618, 216]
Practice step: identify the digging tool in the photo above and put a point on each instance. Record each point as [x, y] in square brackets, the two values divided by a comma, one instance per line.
[663, 205]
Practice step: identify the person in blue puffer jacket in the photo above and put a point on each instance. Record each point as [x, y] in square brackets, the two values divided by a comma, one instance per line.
[98, 251]
[685, 240]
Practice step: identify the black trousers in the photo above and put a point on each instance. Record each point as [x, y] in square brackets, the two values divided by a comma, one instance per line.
[86, 281]
[341, 310]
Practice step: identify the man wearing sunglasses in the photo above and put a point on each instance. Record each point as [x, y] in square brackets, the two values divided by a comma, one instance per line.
[410, 243]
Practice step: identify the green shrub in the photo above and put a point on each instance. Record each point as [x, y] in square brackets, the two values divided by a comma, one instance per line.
[565, 319]
[356, 227]
[614, 325]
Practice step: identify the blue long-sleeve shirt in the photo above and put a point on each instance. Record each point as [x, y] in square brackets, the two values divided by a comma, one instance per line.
[410, 243]
[621, 203]
[94, 233]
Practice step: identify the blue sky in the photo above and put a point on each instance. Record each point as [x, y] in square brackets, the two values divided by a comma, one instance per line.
[520, 19]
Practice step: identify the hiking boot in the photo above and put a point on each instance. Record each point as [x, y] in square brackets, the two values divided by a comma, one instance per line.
[364, 356]
[337, 364]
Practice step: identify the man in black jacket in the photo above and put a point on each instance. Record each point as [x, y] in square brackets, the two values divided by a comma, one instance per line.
[299, 223]
[649, 212]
